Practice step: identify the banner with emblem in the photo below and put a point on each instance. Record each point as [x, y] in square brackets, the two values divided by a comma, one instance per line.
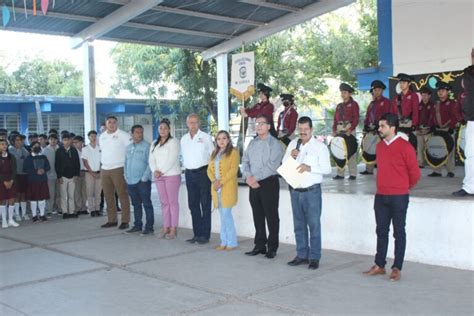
[243, 75]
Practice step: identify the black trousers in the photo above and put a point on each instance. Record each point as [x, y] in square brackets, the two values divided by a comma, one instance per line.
[390, 209]
[264, 201]
[199, 201]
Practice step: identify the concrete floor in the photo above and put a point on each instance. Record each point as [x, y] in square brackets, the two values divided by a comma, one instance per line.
[438, 188]
[73, 267]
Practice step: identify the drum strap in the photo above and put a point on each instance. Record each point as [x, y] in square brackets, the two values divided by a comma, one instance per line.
[438, 114]
[342, 112]
[283, 116]
[372, 112]
[399, 107]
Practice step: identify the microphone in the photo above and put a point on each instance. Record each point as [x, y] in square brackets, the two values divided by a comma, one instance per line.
[298, 144]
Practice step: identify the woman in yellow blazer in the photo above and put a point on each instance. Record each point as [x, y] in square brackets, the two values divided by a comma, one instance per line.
[222, 171]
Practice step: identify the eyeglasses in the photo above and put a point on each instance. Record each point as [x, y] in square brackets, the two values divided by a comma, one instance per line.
[260, 123]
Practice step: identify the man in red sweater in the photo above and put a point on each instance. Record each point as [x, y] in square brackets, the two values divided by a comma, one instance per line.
[398, 172]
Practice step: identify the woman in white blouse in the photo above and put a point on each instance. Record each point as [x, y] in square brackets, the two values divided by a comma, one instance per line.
[164, 163]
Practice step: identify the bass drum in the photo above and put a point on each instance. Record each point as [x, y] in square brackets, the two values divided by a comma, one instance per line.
[438, 147]
[342, 148]
[410, 136]
[461, 143]
[368, 147]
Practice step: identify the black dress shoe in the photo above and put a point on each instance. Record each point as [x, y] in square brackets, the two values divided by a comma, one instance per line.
[313, 264]
[107, 225]
[256, 251]
[192, 240]
[124, 226]
[450, 175]
[461, 193]
[297, 261]
[270, 254]
[74, 215]
[352, 178]
[434, 174]
[93, 214]
[65, 216]
[366, 172]
[134, 230]
[338, 177]
[202, 240]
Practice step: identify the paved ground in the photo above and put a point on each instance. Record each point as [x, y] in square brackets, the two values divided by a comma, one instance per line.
[73, 267]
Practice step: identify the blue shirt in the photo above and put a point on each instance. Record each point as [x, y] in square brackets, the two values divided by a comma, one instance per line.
[136, 163]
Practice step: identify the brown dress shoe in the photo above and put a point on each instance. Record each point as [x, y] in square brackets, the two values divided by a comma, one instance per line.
[395, 275]
[375, 270]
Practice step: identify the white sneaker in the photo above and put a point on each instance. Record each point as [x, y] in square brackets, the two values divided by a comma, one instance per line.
[26, 217]
[4, 224]
[18, 218]
[12, 223]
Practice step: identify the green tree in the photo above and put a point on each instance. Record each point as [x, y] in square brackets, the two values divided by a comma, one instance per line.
[147, 71]
[5, 82]
[41, 77]
[298, 60]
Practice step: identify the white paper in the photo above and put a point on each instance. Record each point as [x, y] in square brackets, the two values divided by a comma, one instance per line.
[288, 171]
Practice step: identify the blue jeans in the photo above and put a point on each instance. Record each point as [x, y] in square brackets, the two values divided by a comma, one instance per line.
[140, 194]
[228, 234]
[307, 215]
[199, 201]
[391, 208]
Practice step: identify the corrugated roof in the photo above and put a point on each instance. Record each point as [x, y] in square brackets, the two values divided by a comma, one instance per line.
[194, 24]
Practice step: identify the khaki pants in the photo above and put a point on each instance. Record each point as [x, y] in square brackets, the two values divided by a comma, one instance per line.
[67, 195]
[80, 194]
[352, 163]
[93, 189]
[113, 180]
[450, 163]
[420, 150]
[51, 204]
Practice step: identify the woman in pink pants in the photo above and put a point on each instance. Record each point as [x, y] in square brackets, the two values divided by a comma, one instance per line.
[164, 163]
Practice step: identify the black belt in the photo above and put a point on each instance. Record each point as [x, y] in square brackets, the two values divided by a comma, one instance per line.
[311, 188]
[197, 170]
[268, 178]
[91, 171]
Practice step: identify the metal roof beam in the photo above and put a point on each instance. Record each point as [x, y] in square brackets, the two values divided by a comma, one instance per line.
[113, 20]
[114, 39]
[271, 5]
[92, 19]
[196, 14]
[280, 24]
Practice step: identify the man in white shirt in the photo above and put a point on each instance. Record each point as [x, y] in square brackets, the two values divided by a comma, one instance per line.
[313, 157]
[196, 148]
[113, 144]
[91, 159]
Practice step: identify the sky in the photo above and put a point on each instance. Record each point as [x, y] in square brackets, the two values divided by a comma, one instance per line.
[16, 47]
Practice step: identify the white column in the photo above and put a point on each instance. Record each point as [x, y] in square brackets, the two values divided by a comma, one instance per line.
[90, 113]
[222, 93]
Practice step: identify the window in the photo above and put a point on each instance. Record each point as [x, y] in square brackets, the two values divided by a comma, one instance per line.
[72, 122]
[10, 121]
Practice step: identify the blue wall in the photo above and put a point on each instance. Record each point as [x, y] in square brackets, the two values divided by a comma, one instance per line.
[60, 107]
